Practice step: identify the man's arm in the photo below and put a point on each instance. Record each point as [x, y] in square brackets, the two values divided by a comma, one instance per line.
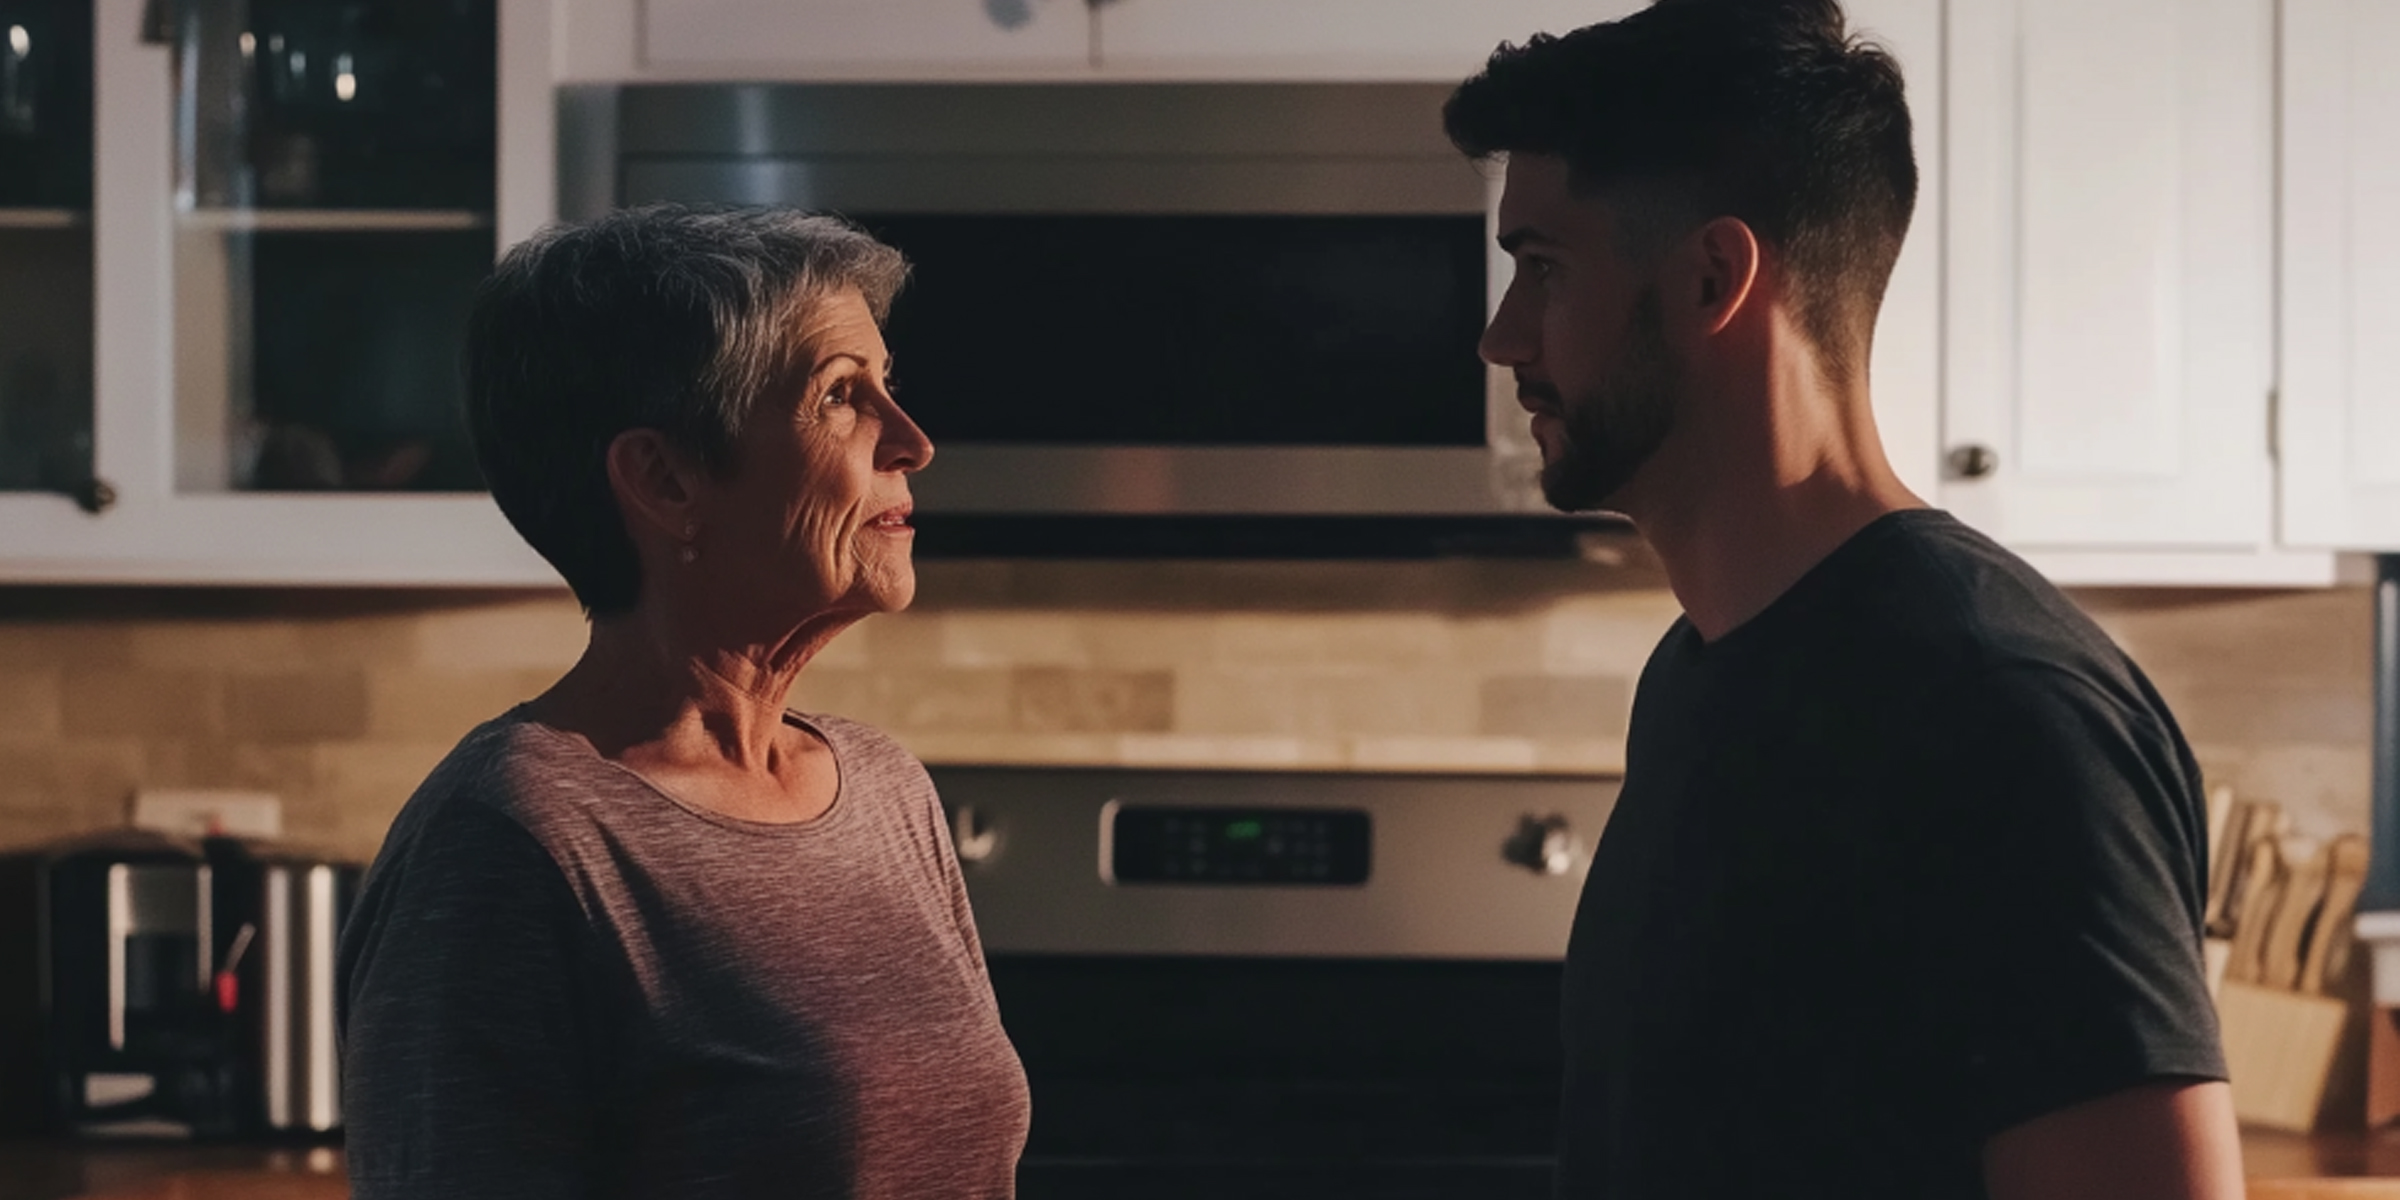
[2160, 1141]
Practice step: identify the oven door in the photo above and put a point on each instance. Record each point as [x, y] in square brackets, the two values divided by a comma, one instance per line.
[1168, 1077]
[1256, 300]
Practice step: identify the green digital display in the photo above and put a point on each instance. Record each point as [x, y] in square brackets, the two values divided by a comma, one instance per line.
[1242, 831]
[1277, 846]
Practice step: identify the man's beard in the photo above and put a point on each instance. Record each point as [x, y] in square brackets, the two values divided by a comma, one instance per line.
[1608, 431]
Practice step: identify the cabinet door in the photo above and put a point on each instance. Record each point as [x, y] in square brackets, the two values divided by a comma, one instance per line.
[2109, 293]
[2341, 274]
[275, 293]
[862, 38]
[1326, 39]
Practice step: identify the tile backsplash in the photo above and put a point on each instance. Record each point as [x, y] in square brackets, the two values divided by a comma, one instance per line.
[340, 701]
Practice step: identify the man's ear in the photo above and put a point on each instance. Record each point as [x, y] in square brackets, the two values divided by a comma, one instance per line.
[1724, 259]
[656, 485]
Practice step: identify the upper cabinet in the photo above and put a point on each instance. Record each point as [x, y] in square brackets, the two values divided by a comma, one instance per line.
[1325, 39]
[2109, 315]
[46, 244]
[294, 204]
[2341, 274]
[833, 38]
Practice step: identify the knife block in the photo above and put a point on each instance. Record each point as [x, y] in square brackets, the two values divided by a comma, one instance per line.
[2280, 1048]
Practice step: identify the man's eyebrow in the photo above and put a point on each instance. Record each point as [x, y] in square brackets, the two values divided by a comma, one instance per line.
[1525, 235]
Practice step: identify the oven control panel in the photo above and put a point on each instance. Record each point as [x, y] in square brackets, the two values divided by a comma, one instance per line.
[1231, 845]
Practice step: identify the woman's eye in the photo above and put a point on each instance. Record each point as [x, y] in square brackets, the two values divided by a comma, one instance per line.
[838, 393]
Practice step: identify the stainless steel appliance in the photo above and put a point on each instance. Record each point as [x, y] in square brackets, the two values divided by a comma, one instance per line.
[281, 915]
[154, 986]
[1233, 301]
[104, 1008]
[1270, 985]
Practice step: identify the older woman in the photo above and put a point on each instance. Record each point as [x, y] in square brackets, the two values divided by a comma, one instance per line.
[651, 934]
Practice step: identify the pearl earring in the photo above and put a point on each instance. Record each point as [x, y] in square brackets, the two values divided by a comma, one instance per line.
[690, 553]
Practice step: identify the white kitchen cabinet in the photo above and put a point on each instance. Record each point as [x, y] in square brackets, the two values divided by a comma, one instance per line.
[2108, 303]
[1325, 39]
[172, 362]
[842, 38]
[2340, 410]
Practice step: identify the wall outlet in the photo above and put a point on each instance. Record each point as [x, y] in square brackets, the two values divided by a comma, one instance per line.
[190, 813]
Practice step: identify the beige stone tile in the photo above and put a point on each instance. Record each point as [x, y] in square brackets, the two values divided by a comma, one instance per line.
[1062, 700]
[2323, 787]
[1205, 752]
[118, 701]
[293, 706]
[30, 703]
[1373, 640]
[902, 640]
[377, 641]
[900, 701]
[44, 643]
[2325, 635]
[416, 704]
[1512, 645]
[83, 782]
[287, 769]
[858, 695]
[1567, 706]
[366, 781]
[950, 700]
[1013, 748]
[1606, 635]
[1147, 639]
[1014, 639]
[847, 650]
[1581, 756]
[1309, 704]
[1424, 753]
[248, 645]
[2273, 710]
[518, 633]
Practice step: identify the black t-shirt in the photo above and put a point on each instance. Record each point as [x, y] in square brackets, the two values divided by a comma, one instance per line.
[1911, 857]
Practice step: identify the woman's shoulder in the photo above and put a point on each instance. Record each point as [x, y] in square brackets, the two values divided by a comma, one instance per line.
[518, 770]
[860, 746]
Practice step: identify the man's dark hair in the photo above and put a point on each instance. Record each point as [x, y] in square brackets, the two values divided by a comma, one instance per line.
[670, 318]
[1768, 111]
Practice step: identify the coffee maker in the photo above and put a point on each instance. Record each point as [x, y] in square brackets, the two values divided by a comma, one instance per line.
[158, 986]
[105, 1021]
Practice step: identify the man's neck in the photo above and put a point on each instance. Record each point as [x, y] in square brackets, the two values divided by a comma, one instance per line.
[1738, 514]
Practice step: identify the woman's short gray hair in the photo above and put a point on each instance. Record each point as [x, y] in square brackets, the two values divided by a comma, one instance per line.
[668, 317]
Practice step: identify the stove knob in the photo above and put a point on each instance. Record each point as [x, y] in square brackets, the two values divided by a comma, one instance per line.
[975, 834]
[1544, 845]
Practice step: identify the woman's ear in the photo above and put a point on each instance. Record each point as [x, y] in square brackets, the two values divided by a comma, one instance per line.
[1724, 260]
[656, 485]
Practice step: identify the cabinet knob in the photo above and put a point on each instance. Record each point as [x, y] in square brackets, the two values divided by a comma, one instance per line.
[94, 495]
[1973, 462]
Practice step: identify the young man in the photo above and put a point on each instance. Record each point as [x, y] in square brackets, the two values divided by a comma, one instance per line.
[1902, 895]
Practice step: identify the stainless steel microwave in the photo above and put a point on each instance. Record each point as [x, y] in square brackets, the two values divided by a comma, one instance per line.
[1138, 300]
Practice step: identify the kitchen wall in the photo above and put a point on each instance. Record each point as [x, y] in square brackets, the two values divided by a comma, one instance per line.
[340, 701]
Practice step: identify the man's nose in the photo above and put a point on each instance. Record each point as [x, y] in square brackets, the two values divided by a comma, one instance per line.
[1507, 341]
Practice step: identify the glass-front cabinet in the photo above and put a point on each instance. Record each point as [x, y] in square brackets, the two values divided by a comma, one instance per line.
[46, 247]
[281, 210]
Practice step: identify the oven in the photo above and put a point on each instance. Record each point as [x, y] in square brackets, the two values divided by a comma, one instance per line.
[1249, 984]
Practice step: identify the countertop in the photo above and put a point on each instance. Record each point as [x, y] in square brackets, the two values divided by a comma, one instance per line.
[55, 1170]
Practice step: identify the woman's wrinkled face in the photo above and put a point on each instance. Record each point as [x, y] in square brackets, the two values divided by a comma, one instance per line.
[815, 517]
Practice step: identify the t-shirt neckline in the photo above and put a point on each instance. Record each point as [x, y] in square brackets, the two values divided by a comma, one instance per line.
[835, 814]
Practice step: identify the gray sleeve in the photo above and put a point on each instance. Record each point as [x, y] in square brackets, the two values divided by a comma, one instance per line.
[466, 976]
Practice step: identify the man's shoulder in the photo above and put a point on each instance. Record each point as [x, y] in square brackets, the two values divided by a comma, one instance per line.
[1937, 587]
